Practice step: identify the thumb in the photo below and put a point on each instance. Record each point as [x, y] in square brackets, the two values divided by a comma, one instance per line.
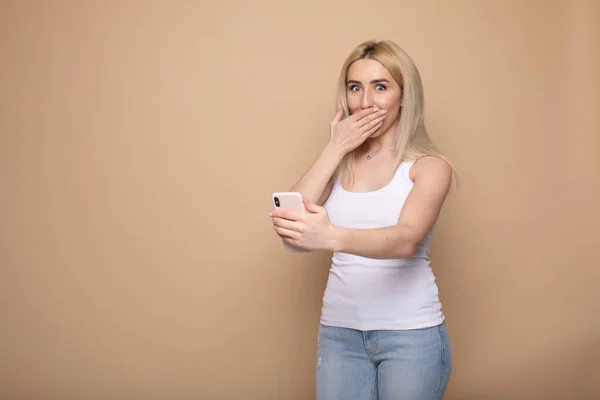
[340, 113]
[314, 208]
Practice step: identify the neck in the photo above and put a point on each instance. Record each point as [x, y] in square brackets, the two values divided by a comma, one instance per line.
[380, 144]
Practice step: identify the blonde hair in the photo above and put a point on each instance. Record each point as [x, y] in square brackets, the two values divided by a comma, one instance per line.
[411, 140]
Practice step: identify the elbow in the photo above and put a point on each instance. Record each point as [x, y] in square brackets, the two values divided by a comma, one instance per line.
[407, 241]
[407, 249]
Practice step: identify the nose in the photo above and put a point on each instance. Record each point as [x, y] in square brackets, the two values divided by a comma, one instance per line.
[367, 100]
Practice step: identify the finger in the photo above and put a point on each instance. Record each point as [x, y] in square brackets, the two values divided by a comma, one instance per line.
[284, 223]
[286, 233]
[373, 129]
[286, 214]
[374, 122]
[305, 202]
[379, 115]
[362, 113]
[339, 114]
[311, 207]
[292, 242]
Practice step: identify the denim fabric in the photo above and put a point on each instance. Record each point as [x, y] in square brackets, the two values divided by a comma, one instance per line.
[383, 364]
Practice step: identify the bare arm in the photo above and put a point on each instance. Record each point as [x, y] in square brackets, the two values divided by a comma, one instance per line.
[316, 183]
[432, 177]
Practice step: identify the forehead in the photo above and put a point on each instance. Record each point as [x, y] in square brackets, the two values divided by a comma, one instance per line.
[367, 70]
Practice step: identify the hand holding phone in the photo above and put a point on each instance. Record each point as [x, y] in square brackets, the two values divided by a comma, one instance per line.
[291, 201]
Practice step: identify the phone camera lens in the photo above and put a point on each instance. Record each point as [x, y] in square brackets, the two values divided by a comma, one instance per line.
[276, 201]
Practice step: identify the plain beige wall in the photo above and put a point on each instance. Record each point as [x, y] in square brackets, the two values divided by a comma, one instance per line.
[139, 145]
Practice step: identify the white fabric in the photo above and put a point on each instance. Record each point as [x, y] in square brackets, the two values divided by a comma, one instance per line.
[371, 294]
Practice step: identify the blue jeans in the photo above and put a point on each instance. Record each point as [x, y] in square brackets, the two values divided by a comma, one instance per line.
[383, 365]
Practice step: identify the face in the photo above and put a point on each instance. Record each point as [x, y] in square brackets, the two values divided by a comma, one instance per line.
[370, 84]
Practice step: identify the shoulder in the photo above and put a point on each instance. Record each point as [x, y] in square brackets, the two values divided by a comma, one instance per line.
[431, 171]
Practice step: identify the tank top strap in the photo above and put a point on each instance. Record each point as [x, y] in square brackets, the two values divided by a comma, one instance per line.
[404, 172]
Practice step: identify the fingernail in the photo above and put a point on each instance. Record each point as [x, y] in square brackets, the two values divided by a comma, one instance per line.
[270, 214]
[375, 108]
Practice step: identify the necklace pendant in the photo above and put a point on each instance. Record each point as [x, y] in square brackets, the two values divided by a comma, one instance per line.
[368, 156]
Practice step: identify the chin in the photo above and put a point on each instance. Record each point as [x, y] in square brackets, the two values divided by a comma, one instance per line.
[381, 131]
[377, 134]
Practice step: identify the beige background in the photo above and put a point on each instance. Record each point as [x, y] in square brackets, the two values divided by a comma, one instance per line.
[139, 145]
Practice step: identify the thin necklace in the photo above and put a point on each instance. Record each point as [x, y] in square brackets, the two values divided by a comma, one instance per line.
[370, 156]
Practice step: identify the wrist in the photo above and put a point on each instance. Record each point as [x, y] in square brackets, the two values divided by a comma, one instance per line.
[334, 151]
[336, 242]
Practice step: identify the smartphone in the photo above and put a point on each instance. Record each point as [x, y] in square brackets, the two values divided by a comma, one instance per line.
[291, 201]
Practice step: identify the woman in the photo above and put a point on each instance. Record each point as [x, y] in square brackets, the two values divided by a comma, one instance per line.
[373, 197]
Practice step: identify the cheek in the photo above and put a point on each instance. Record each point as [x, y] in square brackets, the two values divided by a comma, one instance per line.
[389, 104]
[384, 102]
[353, 103]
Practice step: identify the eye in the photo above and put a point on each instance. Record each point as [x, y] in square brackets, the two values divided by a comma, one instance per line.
[352, 87]
[380, 86]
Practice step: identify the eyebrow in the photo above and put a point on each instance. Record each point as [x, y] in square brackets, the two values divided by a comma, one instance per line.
[373, 81]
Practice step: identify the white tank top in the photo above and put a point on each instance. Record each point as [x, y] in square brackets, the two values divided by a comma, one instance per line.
[371, 294]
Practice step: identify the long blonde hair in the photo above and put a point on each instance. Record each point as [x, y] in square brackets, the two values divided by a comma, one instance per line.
[411, 139]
